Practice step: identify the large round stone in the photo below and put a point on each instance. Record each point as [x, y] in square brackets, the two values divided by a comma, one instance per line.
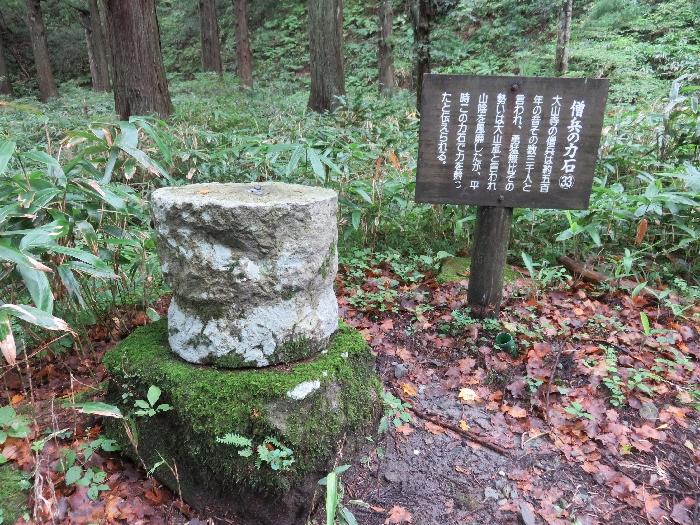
[251, 267]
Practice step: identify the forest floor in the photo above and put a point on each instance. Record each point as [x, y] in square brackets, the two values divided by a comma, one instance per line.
[593, 419]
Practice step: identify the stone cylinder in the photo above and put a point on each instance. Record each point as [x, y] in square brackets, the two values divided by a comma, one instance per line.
[251, 267]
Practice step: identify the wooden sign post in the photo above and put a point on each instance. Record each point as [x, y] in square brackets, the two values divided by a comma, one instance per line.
[502, 143]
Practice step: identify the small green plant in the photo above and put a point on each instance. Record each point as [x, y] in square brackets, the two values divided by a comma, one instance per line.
[645, 324]
[101, 443]
[274, 454]
[12, 424]
[270, 451]
[576, 409]
[460, 321]
[382, 300]
[636, 381]
[395, 411]
[148, 407]
[613, 381]
[542, 274]
[92, 478]
[491, 325]
[242, 443]
[76, 474]
[336, 511]
[533, 384]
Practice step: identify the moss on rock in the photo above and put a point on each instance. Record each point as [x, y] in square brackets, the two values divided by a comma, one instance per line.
[12, 498]
[256, 403]
[454, 269]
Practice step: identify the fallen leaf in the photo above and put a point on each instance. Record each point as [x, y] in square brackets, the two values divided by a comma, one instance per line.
[409, 389]
[517, 412]
[398, 515]
[641, 231]
[463, 425]
[433, 428]
[681, 511]
[154, 495]
[405, 429]
[462, 470]
[468, 395]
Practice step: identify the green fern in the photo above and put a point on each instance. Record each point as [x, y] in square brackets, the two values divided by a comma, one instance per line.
[243, 443]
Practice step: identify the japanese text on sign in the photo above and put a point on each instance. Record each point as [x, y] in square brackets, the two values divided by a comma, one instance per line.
[509, 141]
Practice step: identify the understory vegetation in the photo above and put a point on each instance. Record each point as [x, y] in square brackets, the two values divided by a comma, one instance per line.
[76, 181]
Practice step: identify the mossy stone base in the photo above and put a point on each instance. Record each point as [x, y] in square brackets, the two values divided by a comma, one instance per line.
[455, 269]
[339, 409]
[12, 499]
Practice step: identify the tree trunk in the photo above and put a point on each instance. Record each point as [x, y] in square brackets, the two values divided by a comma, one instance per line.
[97, 54]
[561, 65]
[386, 49]
[100, 44]
[5, 86]
[102, 11]
[209, 33]
[37, 32]
[491, 235]
[421, 37]
[243, 51]
[140, 86]
[326, 54]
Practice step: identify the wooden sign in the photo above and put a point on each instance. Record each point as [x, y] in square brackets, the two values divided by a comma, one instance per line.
[515, 142]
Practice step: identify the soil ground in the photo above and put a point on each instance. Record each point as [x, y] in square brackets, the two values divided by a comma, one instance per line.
[593, 419]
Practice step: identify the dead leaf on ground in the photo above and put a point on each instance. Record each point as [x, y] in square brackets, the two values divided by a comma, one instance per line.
[517, 412]
[409, 389]
[433, 428]
[398, 514]
[468, 395]
[405, 430]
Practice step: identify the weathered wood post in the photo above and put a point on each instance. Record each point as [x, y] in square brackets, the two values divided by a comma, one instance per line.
[491, 236]
[502, 143]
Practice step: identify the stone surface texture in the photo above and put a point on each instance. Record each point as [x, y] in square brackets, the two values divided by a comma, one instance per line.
[251, 267]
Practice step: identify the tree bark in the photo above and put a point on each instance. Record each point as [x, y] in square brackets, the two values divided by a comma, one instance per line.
[97, 54]
[243, 51]
[561, 65]
[491, 236]
[140, 86]
[5, 86]
[326, 54]
[385, 48]
[37, 32]
[102, 11]
[209, 33]
[421, 37]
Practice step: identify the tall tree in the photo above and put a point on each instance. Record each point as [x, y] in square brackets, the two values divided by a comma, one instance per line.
[326, 53]
[422, 13]
[37, 32]
[5, 86]
[209, 34]
[386, 48]
[139, 82]
[561, 65]
[243, 51]
[96, 45]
